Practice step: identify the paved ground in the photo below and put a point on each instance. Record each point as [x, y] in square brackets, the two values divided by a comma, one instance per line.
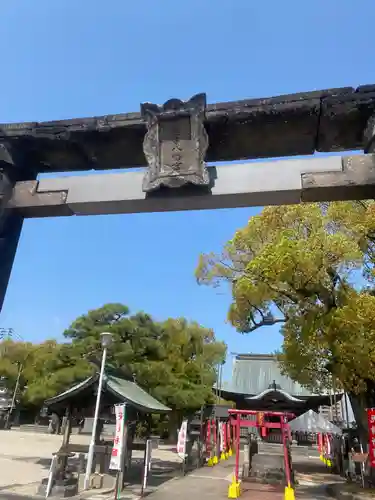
[213, 483]
[25, 459]
[208, 483]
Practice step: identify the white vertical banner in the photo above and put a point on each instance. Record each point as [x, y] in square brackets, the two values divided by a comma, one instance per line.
[221, 436]
[147, 463]
[51, 475]
[118, 441]
[181, 442]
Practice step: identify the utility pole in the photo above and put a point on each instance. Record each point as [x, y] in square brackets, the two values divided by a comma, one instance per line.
[6, 332]
[20, 368]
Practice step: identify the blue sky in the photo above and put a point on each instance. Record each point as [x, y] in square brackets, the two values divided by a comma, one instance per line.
[94, 57]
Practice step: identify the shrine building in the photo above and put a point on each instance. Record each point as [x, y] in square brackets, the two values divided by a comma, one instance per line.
[258, 384]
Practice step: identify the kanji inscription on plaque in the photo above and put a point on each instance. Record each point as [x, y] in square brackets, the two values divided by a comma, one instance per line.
[175, 144]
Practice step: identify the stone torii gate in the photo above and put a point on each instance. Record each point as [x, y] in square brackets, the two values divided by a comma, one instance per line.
[173, 142]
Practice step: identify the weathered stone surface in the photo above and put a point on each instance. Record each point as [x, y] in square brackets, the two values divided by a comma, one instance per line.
[10, 220]
[10, 230]
[296, 124]
[369, 135]
[356, 181]
[9, 236]
[175, 144]
[45, 203]
[239, 185]
[267, 468]
[61, 488]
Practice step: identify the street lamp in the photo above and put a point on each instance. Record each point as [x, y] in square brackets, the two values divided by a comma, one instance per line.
[106, 339]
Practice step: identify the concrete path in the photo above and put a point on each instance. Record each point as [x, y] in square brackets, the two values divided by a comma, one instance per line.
[212, 483]
[207, 482]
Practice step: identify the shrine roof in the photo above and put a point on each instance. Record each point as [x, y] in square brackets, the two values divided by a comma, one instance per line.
[135, 395]
[123, 390]
[288, 125]
[255, 373]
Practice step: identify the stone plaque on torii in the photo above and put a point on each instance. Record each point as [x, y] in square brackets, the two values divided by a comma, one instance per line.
[175, 144]
[173, 141]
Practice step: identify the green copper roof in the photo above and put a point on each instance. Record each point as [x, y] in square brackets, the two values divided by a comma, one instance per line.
[255, 373]
[135, 395]
[125, 390]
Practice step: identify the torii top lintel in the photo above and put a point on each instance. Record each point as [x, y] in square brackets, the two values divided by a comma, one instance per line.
[295, 124]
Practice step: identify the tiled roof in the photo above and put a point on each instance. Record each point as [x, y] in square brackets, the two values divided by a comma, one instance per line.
[126, 391]
[135, 395]
[255, 373]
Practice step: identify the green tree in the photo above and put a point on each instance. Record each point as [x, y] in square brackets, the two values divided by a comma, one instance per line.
[12, 355]
[309, 267]
[45, 369]
[174, 360]
[52, 368]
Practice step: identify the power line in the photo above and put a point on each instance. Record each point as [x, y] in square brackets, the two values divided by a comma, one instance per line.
[6, 332]
[9, 333]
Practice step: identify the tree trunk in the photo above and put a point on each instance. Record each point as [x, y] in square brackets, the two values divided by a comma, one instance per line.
[360, 402]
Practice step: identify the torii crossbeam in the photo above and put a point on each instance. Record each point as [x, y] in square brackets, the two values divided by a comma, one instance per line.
[172, 143]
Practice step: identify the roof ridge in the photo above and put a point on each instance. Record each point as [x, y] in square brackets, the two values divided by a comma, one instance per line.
[255, 356]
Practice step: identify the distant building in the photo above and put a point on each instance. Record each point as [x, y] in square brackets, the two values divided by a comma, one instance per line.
[257, 383]
[332, 412]
[339, 409]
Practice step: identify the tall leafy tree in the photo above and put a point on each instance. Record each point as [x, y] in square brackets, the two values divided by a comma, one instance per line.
[175, 360]
[43, 369]
[310, 268]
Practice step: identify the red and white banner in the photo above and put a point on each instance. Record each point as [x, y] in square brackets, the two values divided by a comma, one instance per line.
[214, 430]
[371, 434]
[181, 442]
[118, 442]
[225, 434]
[208, 437]
[320, 443]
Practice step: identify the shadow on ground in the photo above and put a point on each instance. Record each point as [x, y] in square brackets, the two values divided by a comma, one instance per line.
[313, 492]
[161, 472]
[44, 462]
[310, 467]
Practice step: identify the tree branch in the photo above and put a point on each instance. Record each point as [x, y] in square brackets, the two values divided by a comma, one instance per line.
[266, 323]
